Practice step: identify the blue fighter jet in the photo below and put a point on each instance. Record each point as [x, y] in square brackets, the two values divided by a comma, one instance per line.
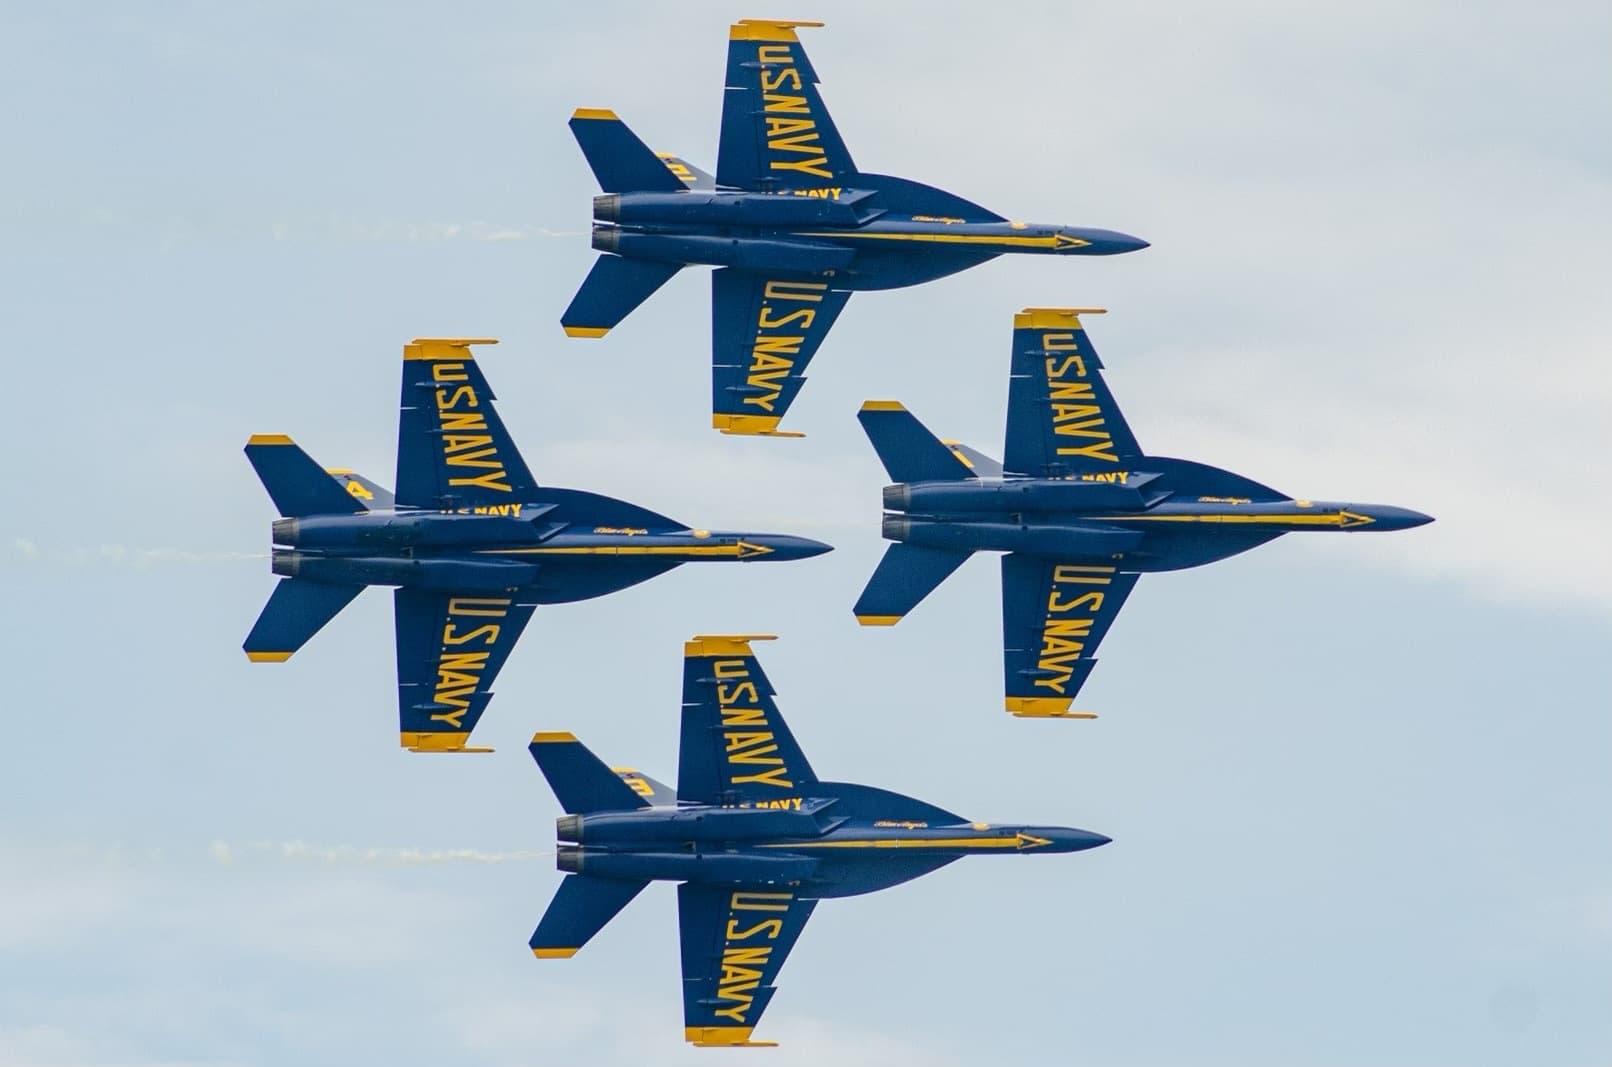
[789, 221]
[470, 541]
[1076, 504]
[751, 832]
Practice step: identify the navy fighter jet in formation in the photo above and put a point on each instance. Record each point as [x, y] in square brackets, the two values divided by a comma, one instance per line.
[789, 221]
[1076, 504]
[755, 838]
[471, 542]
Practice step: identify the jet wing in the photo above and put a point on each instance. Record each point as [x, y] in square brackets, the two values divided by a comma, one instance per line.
[450, 647]
[735, 940]
[1062, 421]
[776, 132]
[736, 748]
[452, 448]
[1054, 614]
[763, 333]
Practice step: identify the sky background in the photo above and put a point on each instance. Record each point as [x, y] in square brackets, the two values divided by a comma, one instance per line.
[1358, 786]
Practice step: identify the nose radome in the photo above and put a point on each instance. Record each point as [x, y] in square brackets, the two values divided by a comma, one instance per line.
[788, 547]
[1385, 518]
[1107, 242]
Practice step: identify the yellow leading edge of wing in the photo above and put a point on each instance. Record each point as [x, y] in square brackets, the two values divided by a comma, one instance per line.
[586, 331]
[1045, 708]
[268, 657]
[723, 1037]
[553, 737]
[723, 644]
[878, 620]
[270, 439]
[436, 741]
[595, 113]
[444, 347]
[554, 953]
[751, 425]
[1038, 318]
[767, 29]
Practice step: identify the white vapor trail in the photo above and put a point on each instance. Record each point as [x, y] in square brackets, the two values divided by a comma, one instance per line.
[352, 856]
[24, 550]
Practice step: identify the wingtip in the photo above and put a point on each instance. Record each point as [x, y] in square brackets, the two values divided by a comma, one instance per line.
[751, 425]
[883, 405]
[722, 644]
[259, 656]
[553, 737]
[586, 331]
[1044, 708]
[599, 113]
[878, 620]
[553, 953]
[269, 439]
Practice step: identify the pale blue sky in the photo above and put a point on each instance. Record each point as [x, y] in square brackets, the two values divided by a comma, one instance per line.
[1358, 786]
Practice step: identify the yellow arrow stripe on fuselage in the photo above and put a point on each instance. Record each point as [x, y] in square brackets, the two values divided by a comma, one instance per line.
[743, 548]
[917, 842]
[1340, 518]
[1050, 241]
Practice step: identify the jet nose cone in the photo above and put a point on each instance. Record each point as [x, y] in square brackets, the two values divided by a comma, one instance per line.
[1080, 840]
[1104, 242]
[786, 547]
[1386, 518]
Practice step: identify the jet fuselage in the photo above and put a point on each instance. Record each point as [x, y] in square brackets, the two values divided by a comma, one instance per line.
[799, 843]
[1102, 516]
[505, 546]
[831, 232]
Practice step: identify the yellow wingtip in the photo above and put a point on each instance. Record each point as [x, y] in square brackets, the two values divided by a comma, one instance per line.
[1045, 708]
[1039, 318]
[444, 347]
[723, 1037]
[722, 644]
[768, 29]
[553, 737]
[595, 113]
[270, 439]
[554, 953]
[268, 657]
[437, 741]
[883, 405]
[751, 425]
[878, 620]
[586, 331]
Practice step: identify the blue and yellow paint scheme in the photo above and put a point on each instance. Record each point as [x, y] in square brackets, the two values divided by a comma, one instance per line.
[470, 541]
[1078, 508]
[790, 223]
[756, 838]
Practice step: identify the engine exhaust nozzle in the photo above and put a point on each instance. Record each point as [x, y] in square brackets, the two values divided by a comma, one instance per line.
[568, 860]
[606, 238]
[285, 564]
[895, 527]
[568, 828]
[897, 497]
[285, 531]
[607, 208]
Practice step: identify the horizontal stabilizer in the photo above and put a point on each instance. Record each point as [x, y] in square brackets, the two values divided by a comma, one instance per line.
[581, 907]
[581, 783]
[298, 486]
[905, 575]
[982, 465]
[688, 173]
[371, 494]
[611, 291]
[297, 609]
[619, 160]
[909, 452]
